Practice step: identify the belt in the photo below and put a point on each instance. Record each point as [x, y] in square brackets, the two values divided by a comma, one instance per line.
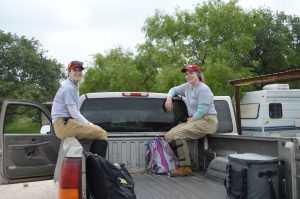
[207, 115]
[212, 114]
[66, 119]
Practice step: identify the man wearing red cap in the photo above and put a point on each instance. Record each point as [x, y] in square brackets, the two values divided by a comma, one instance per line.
[202, 118]
[66, 118]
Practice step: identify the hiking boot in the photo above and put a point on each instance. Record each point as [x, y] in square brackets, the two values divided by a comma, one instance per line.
[182, 171]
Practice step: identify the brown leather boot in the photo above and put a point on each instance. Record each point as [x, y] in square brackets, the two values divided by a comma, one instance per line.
[182, 171]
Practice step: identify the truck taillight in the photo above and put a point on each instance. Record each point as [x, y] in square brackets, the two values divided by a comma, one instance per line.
[70, 179]
[135, 94]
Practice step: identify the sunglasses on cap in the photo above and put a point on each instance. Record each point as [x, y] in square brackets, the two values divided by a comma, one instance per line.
[74, 64]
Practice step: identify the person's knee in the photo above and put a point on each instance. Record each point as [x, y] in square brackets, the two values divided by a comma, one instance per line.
[103, 135]
[169, 137]
[99, 133]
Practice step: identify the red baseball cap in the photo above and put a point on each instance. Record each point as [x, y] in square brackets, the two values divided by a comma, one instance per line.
[192, 68]
[75, 64]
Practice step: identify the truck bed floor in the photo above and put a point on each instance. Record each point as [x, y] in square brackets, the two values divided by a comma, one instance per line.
[196, 186]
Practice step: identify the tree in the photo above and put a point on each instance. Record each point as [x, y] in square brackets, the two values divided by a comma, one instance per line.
[114, 72]
[216, 34]
[25, 72]
[274, 47]
[226, 41]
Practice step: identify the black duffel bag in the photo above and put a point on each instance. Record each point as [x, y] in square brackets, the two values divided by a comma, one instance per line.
[106, 180]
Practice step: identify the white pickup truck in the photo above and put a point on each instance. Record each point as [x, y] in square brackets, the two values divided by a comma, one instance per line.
[30, 151]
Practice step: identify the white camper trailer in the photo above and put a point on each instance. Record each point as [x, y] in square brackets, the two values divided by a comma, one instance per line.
[273, 110]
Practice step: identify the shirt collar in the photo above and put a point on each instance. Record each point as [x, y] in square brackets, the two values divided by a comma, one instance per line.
[72, 81]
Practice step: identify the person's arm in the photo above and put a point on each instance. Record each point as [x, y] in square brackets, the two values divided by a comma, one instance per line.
[168, 104]
[177, 90]
[172, 92]
[76, 114]
[205, 97]
[200, 112]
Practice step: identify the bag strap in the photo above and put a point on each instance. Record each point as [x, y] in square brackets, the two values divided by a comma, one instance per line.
[269, 175]
[161, 142]
[167, 148]
[272, 190]
[243, 194]
[282, 180]
[152, 148]
[228, 175]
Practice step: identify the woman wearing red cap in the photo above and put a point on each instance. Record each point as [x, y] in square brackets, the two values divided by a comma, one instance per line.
[202, 115]
[66, 118]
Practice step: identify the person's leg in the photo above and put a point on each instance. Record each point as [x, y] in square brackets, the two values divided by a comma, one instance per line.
[177, 137]
[83, 132]
[193, 130]
[172, 134]
[207, 125]
[99, 147]
[180, 148]
[183, 153]
[79, 130]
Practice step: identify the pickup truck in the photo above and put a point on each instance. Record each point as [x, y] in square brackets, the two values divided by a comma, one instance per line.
[30, 151]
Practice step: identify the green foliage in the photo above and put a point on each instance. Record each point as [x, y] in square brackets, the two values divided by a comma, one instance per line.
[226, 41]
[168, 78]
[26, 73]
[274, 42]
[217, 76]
[114, 72]
[22, 118]
[21, 127]
[294, 58]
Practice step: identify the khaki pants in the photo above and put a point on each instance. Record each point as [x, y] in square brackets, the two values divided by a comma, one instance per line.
[194, 130]
[79, 130]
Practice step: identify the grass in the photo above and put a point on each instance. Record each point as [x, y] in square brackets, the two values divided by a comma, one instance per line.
[21, 126]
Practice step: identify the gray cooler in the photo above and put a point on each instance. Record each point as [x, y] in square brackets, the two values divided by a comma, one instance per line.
[252, 176]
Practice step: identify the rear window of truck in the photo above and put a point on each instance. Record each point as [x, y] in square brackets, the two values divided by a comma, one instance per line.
[128, 114]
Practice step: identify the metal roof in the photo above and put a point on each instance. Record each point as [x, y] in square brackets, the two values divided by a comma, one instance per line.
[286, 76]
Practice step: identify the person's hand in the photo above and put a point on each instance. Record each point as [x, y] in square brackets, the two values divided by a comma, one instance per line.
[189, 120]
[169, 104]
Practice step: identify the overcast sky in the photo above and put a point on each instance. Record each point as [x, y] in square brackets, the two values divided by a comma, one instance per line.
[77, 29]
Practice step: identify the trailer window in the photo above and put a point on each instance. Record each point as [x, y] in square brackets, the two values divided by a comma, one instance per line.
[275, 110]
[249, 111]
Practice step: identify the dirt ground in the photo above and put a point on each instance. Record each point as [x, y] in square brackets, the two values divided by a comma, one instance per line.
[31, 190]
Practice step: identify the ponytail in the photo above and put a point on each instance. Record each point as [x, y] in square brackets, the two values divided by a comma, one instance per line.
[202, 78]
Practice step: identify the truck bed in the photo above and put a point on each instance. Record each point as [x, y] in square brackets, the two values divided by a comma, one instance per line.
[196, 186]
